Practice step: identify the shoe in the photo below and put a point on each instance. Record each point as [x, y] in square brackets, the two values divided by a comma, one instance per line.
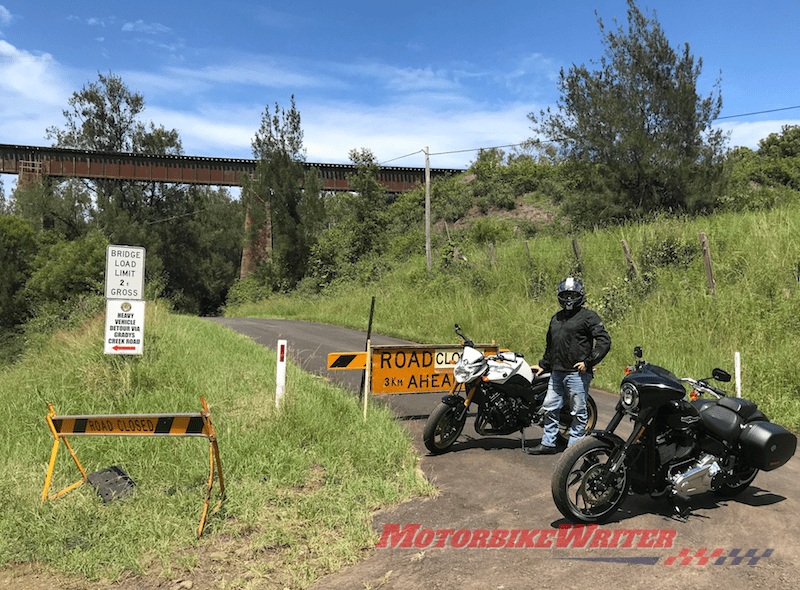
[541, 449]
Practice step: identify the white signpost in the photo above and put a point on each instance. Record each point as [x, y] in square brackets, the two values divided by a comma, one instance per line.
[124, 332]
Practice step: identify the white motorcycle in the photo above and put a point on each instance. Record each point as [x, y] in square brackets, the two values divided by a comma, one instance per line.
[508, 395]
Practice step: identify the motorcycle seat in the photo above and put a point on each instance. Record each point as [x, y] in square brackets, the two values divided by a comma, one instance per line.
[543, 378]
[745, 408]
[721, 421]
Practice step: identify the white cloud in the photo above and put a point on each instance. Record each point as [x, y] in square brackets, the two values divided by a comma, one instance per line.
[5, 16]
[748, 134]
[141, 27]
[33, 92]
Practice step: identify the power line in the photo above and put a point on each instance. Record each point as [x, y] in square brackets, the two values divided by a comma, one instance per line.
[519, 144]
[758, 113]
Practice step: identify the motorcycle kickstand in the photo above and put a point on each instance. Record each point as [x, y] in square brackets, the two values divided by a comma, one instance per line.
[522, 434]
[680, 513]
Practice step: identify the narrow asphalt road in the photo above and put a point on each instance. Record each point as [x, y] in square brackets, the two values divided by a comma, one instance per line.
[496, 503]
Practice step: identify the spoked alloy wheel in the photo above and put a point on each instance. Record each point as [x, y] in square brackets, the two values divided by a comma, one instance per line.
[565, 419]
[442, 429]
[581, 486]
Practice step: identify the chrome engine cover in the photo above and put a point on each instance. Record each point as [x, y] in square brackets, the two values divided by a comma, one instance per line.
[698, 479]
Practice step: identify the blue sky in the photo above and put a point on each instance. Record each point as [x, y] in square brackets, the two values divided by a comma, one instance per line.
[390, 76]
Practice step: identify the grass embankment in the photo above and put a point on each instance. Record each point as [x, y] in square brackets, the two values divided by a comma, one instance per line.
[301, 480]
[670, 312]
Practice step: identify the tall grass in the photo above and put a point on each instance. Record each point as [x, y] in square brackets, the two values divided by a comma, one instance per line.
[301, 480]
[668, 309]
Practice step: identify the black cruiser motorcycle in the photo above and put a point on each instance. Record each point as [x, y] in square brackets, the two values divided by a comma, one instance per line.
[508, 395]
[680, 446]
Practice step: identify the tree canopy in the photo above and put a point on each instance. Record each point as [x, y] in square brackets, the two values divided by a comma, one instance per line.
[283, 198]
[635, 130]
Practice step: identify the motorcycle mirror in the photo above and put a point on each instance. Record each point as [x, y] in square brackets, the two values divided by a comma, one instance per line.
[721, 375]
[637, 352]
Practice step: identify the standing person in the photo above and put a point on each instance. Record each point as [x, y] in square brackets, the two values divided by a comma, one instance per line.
[576, 342]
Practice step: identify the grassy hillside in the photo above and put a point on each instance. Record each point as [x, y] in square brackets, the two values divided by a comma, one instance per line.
[301, 480]
[667, 309]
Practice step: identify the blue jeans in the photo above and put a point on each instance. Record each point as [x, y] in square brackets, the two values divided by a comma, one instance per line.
[573, 388]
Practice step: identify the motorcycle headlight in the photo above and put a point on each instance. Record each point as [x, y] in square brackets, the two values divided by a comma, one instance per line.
[464, 371]
[629, 396]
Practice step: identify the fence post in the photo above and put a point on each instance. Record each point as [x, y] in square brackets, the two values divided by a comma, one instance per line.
[577, 255]
[709, 268]
[629, 258]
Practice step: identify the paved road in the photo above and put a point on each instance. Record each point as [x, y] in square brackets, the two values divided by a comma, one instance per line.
[490, 492]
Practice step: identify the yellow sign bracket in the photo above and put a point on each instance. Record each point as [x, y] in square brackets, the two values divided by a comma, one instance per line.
[194, 424]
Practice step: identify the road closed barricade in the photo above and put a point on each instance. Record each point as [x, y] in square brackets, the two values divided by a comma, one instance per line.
[167, 425]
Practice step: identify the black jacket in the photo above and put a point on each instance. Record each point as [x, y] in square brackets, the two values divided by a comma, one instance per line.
[575, 336]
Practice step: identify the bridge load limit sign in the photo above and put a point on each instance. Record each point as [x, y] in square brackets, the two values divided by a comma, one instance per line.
[124, 326]
[125, 272]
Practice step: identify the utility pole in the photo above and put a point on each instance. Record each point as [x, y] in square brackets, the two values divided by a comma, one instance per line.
[428, 208]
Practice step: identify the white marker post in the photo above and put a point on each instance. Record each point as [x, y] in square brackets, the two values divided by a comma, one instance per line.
[280, 379]
[738, 372]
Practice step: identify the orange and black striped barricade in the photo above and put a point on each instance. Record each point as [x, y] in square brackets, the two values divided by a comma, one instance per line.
[198, 424]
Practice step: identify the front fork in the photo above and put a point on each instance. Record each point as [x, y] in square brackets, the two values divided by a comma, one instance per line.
[461, 405]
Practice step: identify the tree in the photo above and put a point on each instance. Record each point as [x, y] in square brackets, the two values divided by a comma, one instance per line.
[192, 235]
[635, 133]
[65, 208]
[18, 249]
[785, 144]
[283, 198]
[357, 223]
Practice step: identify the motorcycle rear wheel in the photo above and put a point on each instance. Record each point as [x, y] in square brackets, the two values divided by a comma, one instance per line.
[442, 429]
[742, 481]
[565, 419]
[578, 488]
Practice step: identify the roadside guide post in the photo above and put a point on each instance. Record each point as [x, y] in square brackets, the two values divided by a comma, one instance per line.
[124, 292]
[280, 377]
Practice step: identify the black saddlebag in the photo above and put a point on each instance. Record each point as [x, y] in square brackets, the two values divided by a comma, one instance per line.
[767, 445]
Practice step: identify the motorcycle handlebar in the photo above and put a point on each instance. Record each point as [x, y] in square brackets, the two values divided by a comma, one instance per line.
[703, 386]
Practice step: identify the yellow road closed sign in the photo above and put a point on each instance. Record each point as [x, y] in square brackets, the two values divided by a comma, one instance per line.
[406, 369]
[415, 369]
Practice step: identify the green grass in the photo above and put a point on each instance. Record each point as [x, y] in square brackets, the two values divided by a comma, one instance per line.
[670, 312]
[302, 480]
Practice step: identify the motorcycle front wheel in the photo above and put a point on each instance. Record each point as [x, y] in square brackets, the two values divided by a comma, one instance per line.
[565, 419]
[442, 428]
[583, 489]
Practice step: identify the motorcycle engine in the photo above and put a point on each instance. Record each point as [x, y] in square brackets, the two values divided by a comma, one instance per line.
[674, 447]
[695, 477]
[498, 414]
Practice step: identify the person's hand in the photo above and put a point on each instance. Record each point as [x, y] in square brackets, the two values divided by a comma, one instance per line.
[581, 366]
[537, 369]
